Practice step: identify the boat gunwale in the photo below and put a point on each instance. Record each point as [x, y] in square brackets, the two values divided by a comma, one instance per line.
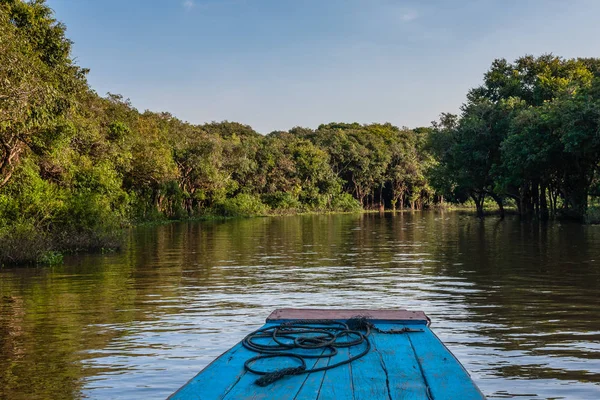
[394, 316]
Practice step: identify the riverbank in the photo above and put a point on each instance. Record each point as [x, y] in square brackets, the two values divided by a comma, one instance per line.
[22, 244]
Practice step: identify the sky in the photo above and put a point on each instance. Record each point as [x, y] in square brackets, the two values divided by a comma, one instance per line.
[276, 64]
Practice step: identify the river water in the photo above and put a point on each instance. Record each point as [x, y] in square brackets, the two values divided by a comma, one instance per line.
[517, 303]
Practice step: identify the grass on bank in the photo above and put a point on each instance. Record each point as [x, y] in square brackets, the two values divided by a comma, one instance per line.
[95, 227]
[23, 243]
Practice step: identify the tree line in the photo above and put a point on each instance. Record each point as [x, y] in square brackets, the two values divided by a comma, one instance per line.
[528, 135]
[76, 167]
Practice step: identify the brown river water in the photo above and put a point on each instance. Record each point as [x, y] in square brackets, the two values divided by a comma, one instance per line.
[517, 303]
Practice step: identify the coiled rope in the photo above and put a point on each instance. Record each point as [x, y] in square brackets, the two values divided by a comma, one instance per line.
[324, 337]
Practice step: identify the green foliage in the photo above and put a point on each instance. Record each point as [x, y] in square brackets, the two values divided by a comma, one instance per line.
[242, 205]
[50, 258]
[529, 133]
[118, 131]
[592, 215]
[87, 221]
[379, 164]
[281, 201]
[39, 83]
[29, 197]
[21, 242]
[346, 203]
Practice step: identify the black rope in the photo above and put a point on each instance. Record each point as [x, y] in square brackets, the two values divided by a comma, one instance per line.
[324, 337]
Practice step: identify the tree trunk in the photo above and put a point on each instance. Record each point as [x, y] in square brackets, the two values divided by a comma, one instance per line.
[522, 209]
[500, 203]
[530, 202]
[543, 202]
[578, 201]
[525, 207]
[11, 149]
[535, 198]
[478, 199]
[553, 200]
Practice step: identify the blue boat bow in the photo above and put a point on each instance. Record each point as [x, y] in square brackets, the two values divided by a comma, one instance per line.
[336, 354]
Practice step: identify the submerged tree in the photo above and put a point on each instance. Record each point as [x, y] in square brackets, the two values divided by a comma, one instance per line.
[528, 133]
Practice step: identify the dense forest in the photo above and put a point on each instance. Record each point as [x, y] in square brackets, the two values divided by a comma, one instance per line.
[529, 134]
[76, 168]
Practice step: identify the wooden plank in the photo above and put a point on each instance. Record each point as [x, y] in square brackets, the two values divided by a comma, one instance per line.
[222, 374]
[401, 366]
[337, 382]
[373, 315]
[312, 384]
[368, 376]
[445, 376]
[284, 389]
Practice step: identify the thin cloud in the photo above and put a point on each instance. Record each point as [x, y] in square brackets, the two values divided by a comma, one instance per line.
[188, 4]
[409, 15]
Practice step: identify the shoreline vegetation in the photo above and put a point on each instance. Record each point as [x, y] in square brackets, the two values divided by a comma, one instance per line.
[77, 169]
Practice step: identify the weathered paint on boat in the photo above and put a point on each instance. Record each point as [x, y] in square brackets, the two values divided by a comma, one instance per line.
[399, 366]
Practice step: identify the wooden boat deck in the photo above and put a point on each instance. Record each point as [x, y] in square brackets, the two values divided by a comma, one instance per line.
[399, 366]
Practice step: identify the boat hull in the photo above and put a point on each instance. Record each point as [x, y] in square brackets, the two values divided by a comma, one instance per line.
[410, 363]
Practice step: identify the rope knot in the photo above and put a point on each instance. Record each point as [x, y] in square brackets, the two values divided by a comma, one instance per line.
[359, 323]
[271, 377]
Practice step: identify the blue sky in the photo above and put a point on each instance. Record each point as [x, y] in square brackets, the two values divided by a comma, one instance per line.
[275, 64]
